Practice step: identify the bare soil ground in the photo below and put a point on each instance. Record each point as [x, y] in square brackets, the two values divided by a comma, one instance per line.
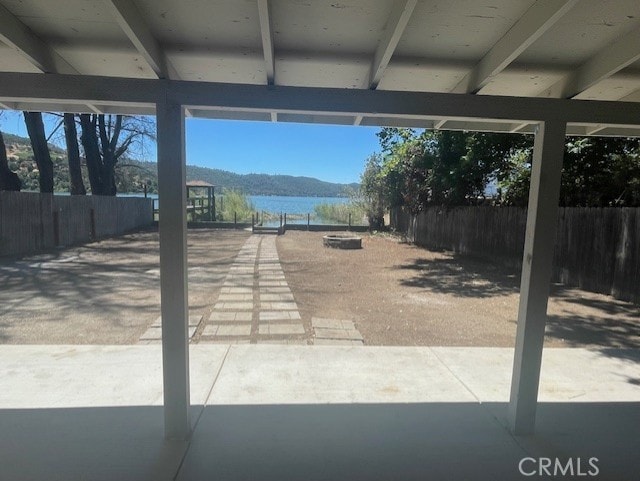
[399, 294]
[106, 292]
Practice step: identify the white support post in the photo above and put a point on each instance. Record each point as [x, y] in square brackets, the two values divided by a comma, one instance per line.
[173, 267]
[548, 152]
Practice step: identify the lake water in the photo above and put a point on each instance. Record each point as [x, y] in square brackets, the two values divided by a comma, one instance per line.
[291, 205]
[275, 204]
[296, 208]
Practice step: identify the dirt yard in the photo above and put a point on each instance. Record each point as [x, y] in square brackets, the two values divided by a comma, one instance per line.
[399, 294]
[108, 292]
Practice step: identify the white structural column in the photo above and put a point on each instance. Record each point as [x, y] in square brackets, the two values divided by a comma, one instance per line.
[548, 152]
[172, 199]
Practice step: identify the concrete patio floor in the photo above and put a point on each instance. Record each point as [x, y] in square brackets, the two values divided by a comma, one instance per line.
[268, 412]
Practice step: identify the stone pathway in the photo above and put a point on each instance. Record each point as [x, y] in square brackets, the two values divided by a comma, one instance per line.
[335, 332]
[256, 305]
[153, 335]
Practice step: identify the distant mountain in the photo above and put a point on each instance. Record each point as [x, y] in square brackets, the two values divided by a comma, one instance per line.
[131, 175]
[264, 184]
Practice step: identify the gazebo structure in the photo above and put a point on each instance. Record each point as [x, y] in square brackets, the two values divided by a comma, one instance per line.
[546, 67]
[193, 188]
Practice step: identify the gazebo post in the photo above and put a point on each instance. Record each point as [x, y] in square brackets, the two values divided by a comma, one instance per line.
[212, 204]
[173, 267]
[548, 153]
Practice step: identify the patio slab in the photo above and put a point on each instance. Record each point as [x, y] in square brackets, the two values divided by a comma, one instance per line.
[309, 412]
[334, 374]
[69, 376]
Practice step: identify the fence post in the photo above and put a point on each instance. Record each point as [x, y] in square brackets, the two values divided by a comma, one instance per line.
[92, 220]
[285, 218]
[252, 221]
[349, 220]
[308, 220]
[56, 227]
[235, 220]
[280, 219]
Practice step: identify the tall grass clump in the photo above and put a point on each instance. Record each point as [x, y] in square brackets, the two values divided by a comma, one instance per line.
[339, 213]
[235, 202]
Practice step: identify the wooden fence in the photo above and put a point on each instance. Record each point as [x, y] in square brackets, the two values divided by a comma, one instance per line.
[33, 222]
[597, 249]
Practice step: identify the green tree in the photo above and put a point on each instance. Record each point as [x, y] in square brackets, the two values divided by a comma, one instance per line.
[513, 185]
[597, 172]
[600, 171]
[442, 167]
[372, 188]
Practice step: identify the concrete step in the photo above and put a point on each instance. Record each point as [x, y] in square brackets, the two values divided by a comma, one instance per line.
[267, 230]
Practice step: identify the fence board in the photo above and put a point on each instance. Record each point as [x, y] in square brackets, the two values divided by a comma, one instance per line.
[597, 249]
[29, 221]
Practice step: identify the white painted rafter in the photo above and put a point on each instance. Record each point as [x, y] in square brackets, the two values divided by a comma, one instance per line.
[594, 130]
[397, 22]
[632, 97]
[541, 16]
[134, 26]
[267, 40]
[95, 109]
[20, 37]
[518, 128]
[439, 124]
[613, 58]
[41, 55]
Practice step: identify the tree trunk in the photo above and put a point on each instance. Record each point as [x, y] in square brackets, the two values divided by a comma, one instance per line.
[35, 128]
[8, 180]
[76, 186]
[109, 136]
[89, 139]
[100, 138]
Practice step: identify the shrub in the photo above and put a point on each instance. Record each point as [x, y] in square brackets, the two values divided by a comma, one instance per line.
[234, 202]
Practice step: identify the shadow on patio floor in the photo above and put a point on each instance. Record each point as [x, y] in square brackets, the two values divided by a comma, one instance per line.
[435, 441]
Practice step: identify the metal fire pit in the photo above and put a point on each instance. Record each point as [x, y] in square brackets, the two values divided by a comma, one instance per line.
[342, 241]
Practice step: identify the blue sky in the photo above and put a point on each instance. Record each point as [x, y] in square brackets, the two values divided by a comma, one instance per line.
[326, 152]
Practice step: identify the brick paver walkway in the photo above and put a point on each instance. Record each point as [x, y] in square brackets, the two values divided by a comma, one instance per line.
[256, 305]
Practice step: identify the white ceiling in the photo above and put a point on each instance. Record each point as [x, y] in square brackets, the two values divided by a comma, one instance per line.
[585, 49]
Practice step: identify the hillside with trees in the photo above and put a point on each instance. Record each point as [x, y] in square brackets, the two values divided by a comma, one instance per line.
[132, 175]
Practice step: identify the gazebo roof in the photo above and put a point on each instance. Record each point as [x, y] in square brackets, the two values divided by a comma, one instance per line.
[199, 183]
[581, 49]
